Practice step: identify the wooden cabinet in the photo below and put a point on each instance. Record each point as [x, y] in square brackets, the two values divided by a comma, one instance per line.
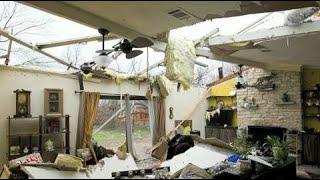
[225, 134]
[31, 133]
[311, 148]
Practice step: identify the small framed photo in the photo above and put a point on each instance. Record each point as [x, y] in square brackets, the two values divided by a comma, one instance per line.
[54, 96]
[53, 102]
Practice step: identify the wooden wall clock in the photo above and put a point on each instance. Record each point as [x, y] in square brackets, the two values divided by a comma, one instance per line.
[22, 103]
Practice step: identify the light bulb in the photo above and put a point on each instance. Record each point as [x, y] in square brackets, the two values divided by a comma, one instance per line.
[103, 61]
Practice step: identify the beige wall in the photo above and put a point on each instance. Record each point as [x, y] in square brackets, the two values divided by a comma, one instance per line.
[183, 103]
[12, 79]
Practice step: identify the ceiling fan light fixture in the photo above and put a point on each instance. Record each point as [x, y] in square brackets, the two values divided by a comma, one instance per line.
[103, 60]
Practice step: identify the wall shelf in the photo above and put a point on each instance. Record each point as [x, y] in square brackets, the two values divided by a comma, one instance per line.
[36, 139]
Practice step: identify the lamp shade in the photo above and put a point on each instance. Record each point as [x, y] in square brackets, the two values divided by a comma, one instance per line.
[103, 60]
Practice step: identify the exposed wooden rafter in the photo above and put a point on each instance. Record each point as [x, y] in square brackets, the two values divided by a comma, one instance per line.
[74, 41]
[30, 46]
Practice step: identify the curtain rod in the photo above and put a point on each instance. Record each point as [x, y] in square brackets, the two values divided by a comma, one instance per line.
[131, 97]
[78, 92]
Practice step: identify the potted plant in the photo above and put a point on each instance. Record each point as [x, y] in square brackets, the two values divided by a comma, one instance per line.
[280, 149]
[243, 147]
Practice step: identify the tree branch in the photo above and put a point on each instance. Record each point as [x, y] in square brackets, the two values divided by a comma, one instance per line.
[11, 16]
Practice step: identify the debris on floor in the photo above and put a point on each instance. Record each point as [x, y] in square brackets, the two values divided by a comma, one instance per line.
[179, 144]
[148, 163]
[191, 157]
[197, 155]
[69, 161]
[52, 173]
[106, 166]
[192, 172]
[308, 172]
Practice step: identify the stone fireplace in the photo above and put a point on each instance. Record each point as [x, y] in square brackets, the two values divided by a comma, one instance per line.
[270, 112]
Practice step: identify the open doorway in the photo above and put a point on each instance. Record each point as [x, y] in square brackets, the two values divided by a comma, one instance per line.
[110, 125]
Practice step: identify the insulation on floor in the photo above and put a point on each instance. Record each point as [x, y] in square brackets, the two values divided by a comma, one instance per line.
[179, 57]
[201, 155]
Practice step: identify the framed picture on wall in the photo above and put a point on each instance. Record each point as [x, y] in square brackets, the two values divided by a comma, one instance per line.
[53, 102]
[185, 128]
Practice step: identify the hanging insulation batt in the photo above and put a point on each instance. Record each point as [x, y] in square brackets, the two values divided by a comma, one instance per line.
[180, 56]
[165, 85]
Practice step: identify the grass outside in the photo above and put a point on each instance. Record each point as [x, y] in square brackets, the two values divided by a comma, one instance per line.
[115, 137]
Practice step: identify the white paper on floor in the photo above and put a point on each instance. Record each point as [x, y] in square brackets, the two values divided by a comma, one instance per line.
[52, 173]
[113, 164]
[201, 155]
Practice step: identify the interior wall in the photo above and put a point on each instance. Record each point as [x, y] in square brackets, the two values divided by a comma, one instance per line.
[310, 78]
[35, 81]
[183, 103]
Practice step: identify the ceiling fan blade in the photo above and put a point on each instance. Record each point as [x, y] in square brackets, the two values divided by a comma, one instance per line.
[133, 54]
[141, 42]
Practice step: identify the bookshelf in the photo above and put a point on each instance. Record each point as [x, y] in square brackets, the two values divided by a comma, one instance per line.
[33, 132]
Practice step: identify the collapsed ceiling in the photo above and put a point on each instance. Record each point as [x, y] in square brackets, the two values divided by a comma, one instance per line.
[131, 19]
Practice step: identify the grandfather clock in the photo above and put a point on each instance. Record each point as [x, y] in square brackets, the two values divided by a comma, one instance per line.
[22, 103]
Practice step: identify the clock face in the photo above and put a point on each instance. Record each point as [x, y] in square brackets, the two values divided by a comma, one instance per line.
[22, 98]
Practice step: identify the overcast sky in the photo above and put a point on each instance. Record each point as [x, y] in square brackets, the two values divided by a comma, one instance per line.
[62, 29]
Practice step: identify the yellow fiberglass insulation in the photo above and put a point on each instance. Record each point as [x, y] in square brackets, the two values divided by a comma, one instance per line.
[69, 161]
[165, 85]
[180, 56]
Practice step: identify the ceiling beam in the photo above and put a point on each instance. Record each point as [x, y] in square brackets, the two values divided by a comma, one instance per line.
[74, 41]
[268, 34]
[30, 46]
[78, 15]
[157, 64]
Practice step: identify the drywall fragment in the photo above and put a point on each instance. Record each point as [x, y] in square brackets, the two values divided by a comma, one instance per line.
[180, 55]
[113, 164]
[165, 85]
[197, 155]
[297, 16]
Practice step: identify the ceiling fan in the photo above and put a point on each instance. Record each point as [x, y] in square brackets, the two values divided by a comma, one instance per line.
[124, 46]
